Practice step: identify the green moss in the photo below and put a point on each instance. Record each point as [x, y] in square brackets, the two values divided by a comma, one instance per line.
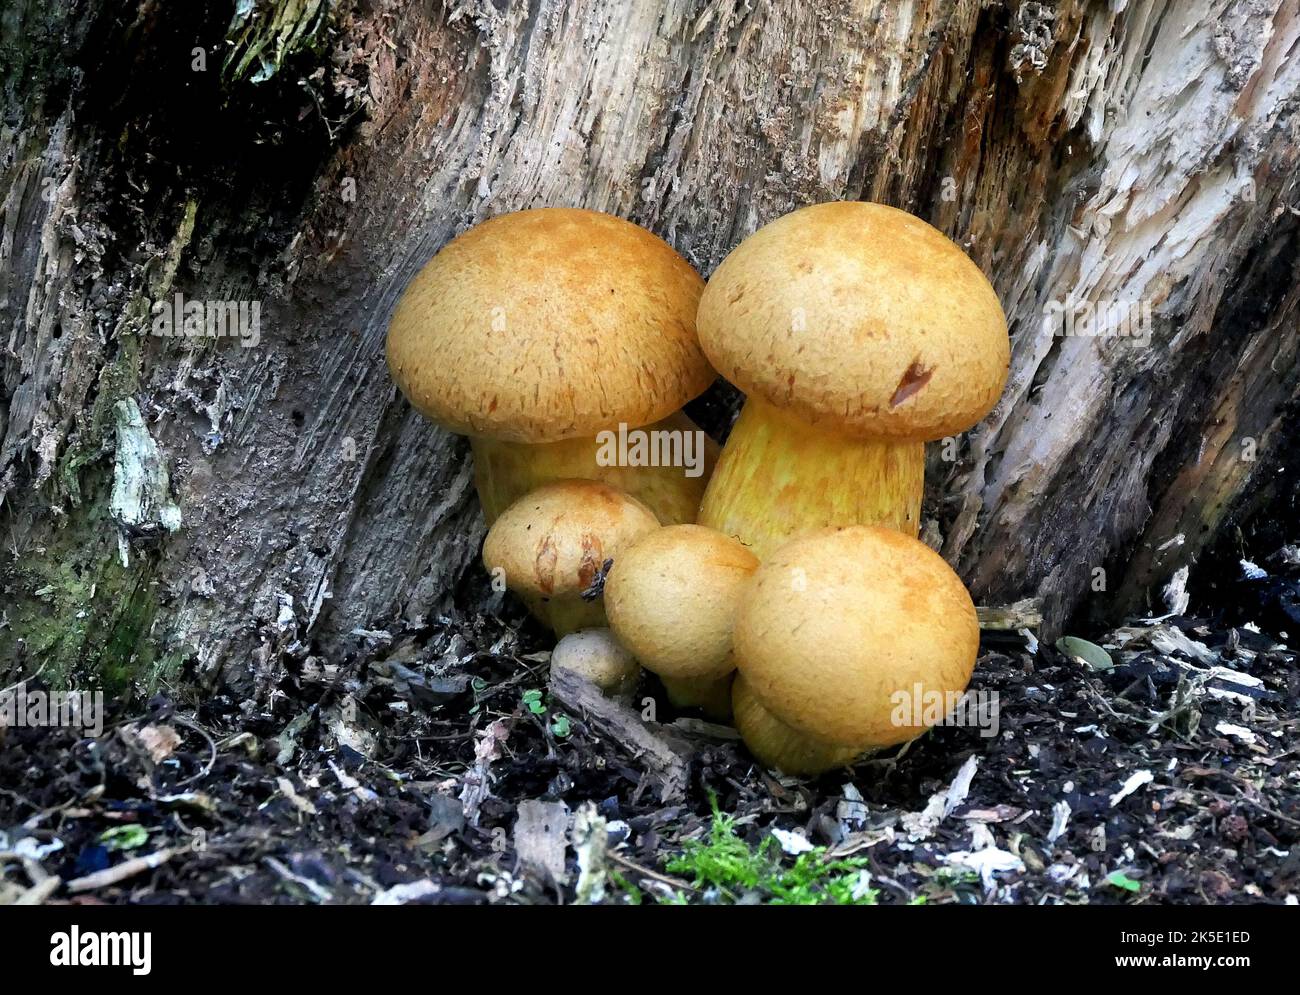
[79, 614]
[74, 609]
[125, 651]
[167, 667]
[726, 866]
[630, 893]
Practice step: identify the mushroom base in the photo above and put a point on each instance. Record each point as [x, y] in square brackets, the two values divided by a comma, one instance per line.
[505, 471]
[775, 744]
[565, 615]
[780, 477]
[712, 697]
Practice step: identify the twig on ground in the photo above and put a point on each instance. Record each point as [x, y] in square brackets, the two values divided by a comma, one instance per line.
[636, 868]
[661, 757]
[212, 746]
[122, 871]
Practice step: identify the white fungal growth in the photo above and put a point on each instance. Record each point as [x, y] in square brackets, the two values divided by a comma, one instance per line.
[141, 500]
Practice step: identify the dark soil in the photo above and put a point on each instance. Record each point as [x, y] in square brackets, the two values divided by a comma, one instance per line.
[339, 783]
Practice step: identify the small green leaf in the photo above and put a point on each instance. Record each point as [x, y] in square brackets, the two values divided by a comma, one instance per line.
[129, 837]
[560, 727]
[533, 702]
[1119, 879]
[1090, 653]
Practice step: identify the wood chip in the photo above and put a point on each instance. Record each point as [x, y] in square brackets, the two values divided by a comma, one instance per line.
[160, 741]
[541, 838]
[665, 758]
[122, 871]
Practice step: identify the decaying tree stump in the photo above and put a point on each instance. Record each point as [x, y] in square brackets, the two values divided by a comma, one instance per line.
[1128, 167]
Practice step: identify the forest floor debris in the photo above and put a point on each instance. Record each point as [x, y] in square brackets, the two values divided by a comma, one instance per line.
[440, 767]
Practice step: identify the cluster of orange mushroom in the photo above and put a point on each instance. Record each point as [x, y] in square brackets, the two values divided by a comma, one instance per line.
[783, 587]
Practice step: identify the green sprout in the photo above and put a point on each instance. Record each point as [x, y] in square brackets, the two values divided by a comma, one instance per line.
[128, 837]
[726, 865]
[1119, 879]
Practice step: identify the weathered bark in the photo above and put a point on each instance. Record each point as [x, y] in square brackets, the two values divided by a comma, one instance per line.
[1083, 151]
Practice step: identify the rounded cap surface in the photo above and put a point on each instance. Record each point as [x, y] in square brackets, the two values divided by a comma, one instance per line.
[671, 599]
[836, 624]
[549, 324]
[597, 656]
[775, 744]
[554, 541]
[860, 318]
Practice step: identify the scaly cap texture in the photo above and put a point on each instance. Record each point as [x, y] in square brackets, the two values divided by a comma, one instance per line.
[860, 318]
[671, 599]
[553, 541]
[549, 324]
[834, 624]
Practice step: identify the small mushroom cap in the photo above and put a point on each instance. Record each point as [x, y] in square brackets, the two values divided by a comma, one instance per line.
[596, 655]
[549, 324]
[860, 318]
[553, 541]
[671, 599]
[837, 623]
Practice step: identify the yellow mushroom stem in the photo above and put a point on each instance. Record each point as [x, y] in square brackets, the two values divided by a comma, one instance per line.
[775, 744]
[712, 697]
[505, 471]
[567, 613]
[779, 477]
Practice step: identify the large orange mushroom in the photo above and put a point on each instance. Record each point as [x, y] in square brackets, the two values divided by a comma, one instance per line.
[858, 333]
[835, 632]
[534, 331]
